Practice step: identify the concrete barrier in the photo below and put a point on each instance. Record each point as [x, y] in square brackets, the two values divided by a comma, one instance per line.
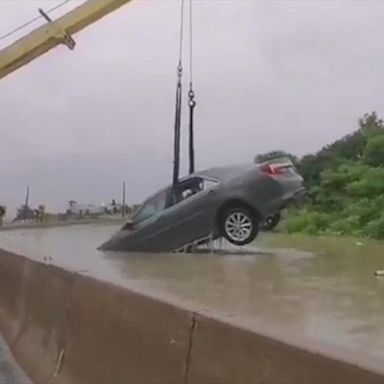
[66, 328]
[119, 336]
[14, 272]
[224, 353]
[42, 335]
[34, 303]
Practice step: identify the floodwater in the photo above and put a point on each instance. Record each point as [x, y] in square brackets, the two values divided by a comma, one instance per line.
[326, 291]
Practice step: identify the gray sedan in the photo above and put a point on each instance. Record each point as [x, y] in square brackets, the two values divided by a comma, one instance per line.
[229, 202]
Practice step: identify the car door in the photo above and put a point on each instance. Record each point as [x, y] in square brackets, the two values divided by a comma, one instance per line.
[192, 217]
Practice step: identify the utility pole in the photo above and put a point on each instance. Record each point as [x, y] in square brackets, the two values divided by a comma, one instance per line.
[123, 208]
[26, 204]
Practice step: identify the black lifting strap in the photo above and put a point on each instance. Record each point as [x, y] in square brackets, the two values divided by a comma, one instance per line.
[191, 96]
[192, 105]
[176, 154]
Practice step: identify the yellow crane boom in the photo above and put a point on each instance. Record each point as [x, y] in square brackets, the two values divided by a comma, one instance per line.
[56, 32]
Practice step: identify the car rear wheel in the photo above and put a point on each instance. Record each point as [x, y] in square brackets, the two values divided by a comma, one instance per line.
[239, 226]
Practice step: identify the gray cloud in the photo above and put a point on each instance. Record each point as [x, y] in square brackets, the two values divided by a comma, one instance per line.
[268, 74]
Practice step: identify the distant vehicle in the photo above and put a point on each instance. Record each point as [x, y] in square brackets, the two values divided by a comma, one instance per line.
[229, 202]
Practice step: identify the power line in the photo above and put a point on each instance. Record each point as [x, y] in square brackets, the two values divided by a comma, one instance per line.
[33, 20]
[58, 6]
[177, 133]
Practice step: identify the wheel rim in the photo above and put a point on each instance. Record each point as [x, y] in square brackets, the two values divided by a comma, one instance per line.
[238, 226]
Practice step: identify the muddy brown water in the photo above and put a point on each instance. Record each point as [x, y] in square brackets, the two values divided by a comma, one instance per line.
[321, 288]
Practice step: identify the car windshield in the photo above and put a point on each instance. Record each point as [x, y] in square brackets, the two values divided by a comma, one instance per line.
[153, 206]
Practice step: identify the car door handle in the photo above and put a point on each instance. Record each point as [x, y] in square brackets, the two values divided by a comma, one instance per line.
[211, 192]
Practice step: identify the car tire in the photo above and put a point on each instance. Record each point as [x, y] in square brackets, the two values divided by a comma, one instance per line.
[239, 225]
[271, 222]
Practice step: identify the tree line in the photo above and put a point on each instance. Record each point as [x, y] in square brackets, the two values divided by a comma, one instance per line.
[345, 183]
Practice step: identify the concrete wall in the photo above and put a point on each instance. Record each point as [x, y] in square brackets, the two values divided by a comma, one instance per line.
[65, 328]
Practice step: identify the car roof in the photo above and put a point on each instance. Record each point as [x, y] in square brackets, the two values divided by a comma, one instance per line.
[225, 173]
[222, 174]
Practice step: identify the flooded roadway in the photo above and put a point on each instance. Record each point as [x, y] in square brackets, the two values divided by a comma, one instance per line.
[327, 292]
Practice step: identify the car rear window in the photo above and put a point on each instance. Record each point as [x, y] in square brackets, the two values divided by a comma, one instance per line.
[284, 166]
[286, 169]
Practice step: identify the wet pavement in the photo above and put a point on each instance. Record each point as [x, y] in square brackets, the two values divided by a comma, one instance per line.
[326, 291]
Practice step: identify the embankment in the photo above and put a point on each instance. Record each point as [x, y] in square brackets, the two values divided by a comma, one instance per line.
[69, 328]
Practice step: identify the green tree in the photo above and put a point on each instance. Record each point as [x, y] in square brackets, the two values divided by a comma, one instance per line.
[371, 124]
[373, 154]
[346, 185]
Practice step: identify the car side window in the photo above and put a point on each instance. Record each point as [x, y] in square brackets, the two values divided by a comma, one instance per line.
[153, 206]
[209, 183]
[186, 189]
[190, 187]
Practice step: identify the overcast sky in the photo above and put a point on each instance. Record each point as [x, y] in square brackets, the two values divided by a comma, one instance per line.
[268, 75]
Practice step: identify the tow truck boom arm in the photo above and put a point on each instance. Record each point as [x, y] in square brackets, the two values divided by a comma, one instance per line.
[49, 35]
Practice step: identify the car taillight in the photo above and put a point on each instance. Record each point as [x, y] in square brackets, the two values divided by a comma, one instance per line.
[272, 170]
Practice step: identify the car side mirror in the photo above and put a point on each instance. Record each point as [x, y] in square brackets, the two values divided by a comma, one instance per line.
[128, 226]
